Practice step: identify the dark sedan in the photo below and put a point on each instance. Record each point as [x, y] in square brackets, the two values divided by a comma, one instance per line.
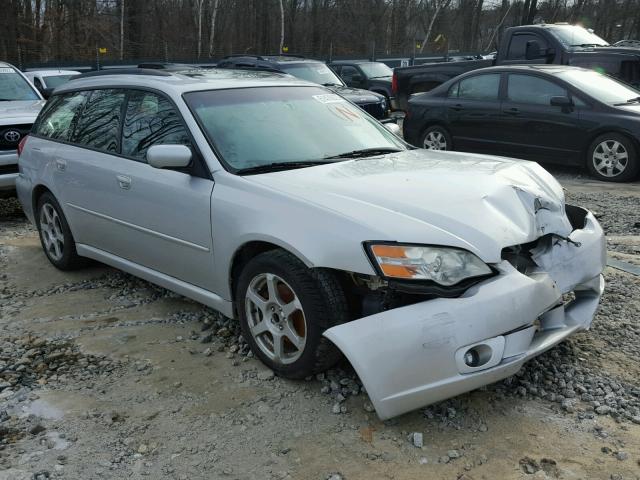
[546, 113]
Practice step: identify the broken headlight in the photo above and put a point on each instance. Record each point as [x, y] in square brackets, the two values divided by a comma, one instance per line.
[444, 265]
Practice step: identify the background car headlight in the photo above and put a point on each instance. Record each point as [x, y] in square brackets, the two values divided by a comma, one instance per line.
[443, 265]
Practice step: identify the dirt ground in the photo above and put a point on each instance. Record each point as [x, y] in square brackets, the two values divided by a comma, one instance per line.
[143, 390]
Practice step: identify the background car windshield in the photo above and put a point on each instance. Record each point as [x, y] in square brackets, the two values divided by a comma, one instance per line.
[257, 126]
[599, 86]
[373, 70]
[14, 87]
[571, 35]
[313, 72]
[54, 81]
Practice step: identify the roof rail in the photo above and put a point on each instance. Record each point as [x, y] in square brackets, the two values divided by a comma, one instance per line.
[249, 55]
[124, 71]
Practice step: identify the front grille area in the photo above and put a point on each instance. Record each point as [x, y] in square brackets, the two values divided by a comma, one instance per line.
[376, 110]
[10, 136]
[8, 169]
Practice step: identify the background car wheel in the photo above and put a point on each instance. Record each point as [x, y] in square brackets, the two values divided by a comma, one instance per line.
[436, 138]
[612, 158]
[284, 307]
[55, 235]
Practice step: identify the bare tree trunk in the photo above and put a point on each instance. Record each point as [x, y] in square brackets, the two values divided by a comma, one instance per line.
[281, 26]
[212, 28]
[122, 29]
[440, 5]
[199, 5]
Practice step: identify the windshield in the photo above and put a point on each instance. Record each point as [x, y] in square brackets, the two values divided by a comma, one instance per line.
[54, 81]
[376, 69]
[600, 86]
[313, 72]
[14, 87]
[251, 127]
[572, 36]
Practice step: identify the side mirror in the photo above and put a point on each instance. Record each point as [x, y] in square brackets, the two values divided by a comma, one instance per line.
[393, 128]
[563, 102]
[533, 50]
[169, 156]
[357, 78]
[46, 92]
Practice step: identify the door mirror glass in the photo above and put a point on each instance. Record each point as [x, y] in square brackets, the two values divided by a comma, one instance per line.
[46, 92]
[169, 156]
[356, 78]
[561, 102]
[533, 50]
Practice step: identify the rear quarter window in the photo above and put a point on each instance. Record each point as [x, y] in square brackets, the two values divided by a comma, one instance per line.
[58, 118]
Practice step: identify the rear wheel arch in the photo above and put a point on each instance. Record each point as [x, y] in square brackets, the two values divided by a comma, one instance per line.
[37, 192]
[431, 124]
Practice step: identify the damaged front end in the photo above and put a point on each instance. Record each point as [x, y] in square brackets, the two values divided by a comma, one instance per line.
[414, 346]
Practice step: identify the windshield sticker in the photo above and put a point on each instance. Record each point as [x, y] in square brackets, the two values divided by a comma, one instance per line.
[329, 98]
[346, 112]
[7, 70]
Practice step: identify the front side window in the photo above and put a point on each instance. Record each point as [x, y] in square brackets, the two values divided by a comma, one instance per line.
[14, 87]
[150, 120]
[348, 72]
[99, 124]
[479, 87]
[57, 120]
[533, 90]
[251, 127]
[518, 45]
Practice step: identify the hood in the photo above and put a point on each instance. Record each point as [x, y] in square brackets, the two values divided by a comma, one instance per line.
[20, 111]
[477, 202]
[356, 95]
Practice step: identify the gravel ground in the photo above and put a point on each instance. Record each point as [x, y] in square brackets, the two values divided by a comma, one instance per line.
[103, 375]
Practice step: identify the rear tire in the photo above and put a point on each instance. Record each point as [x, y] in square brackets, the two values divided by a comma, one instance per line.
[613, 157]
[55, 236]
[436, 138]
[284, 308]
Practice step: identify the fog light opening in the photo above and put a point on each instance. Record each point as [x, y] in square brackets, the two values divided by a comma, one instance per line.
[472, 358]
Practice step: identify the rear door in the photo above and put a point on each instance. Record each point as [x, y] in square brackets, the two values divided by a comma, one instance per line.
[535, 129]
[156, 218]
[473, 113]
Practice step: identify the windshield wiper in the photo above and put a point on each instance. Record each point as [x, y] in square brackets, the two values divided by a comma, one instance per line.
[631, 100]
[365, 152]
[589, 45]
[278, 166]
[331, 85]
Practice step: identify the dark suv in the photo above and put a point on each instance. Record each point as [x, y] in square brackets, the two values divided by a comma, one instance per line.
[374, 76]
[313, 71]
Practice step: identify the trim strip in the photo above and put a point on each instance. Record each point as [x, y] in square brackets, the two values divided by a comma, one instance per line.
[141, 229]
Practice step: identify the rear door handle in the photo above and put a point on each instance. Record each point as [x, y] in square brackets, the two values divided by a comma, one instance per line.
[512, 111]
[61, 165]
[457, 107]
[124, 182]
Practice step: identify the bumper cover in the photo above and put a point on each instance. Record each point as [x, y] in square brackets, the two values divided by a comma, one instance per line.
[413, 356]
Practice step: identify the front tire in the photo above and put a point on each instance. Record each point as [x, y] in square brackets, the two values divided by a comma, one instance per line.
[55, 235]
[284, 308]
[436, 138]
[612, 157]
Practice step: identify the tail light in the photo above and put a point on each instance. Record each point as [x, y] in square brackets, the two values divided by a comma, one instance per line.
[394, 83]
[21, 145]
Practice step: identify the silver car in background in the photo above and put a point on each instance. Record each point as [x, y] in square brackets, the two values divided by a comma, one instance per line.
[279, 203]
[20, 104]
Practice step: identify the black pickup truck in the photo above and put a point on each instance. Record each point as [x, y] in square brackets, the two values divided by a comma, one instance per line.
[561, 44]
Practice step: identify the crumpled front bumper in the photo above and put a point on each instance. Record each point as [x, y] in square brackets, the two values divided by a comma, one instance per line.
[413, 356]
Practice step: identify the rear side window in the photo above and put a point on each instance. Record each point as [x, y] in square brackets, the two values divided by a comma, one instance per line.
[150, 120]
[99, 124]
[479, 87]
[533, 90]
[58, 118]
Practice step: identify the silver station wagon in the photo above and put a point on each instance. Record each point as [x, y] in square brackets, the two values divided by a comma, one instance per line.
[281, 204]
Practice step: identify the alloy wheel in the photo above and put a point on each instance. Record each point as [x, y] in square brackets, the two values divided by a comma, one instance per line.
[275, 318]
[435, 140]
[51, 231]
[610, 158]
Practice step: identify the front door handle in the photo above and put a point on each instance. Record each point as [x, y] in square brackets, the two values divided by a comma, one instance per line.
[124, 182]
[457, 107]
[61, 165]
[512, 111]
